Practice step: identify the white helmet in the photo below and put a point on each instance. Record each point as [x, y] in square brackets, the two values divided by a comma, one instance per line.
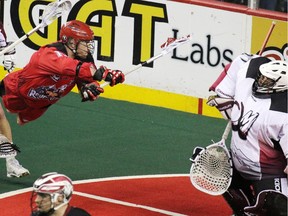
[54, 184]
[277, 72]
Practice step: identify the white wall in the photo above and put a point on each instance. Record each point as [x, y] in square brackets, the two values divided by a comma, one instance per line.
[212, 30]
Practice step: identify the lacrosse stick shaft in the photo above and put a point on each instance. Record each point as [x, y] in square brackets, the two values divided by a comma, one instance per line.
[10, 47]
[267, 37]
[165, 50]
[227, 130]
[136, 68]
[50, 16]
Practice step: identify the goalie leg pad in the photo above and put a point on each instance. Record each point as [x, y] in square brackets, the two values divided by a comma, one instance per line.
[239, 195]
[269, 202]
[8, 150]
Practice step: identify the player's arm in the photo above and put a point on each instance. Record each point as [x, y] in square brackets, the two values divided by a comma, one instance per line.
[225, 86]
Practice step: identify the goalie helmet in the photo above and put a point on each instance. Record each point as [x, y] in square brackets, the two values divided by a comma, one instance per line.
[272, 78]
[53, 184]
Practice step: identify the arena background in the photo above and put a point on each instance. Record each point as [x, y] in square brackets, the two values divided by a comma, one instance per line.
[135, 129]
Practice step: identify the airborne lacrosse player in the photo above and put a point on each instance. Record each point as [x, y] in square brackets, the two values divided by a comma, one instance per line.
[52, 73]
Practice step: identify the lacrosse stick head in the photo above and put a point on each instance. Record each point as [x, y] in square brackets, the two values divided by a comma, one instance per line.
[211, 170]
[55, 10]
[173, 43]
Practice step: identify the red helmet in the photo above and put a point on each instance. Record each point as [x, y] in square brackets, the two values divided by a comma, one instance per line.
[77, 30]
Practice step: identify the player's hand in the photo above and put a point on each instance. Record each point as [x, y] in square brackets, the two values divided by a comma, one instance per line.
[9, 58]
[224, 105]
[286, 170]
[114, 77]
[8, 63]
[90, 91]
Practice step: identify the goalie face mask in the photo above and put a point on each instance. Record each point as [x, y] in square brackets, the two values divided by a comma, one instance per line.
[272, 78]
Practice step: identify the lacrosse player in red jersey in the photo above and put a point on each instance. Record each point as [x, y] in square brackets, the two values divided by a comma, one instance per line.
[252, 94]
[51, 74]
[53, 71]
[51, 195]
[8, 150]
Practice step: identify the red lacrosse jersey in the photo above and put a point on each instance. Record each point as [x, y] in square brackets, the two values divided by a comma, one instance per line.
[49, 75]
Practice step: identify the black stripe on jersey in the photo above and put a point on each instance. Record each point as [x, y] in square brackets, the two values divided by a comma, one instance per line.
[279, 102]
[253, 68]
[277, 145]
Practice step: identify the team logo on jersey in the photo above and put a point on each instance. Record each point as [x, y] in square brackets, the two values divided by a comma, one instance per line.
[55, 77]
[245, 122]
[47, 92]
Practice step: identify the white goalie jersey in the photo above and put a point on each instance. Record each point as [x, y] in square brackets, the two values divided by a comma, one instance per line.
[259, 142]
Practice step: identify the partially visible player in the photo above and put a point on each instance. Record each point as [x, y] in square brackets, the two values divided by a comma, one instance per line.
[252, 93]
[51, 195]
[8, 150]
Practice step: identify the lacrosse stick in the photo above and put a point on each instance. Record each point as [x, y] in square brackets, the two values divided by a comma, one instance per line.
[211, 170]
[267, 38]
[52, 12]
[167, 47]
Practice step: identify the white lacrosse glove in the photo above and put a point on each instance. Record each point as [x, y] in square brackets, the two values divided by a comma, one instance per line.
[9, 59]
[8, 63]
[224, 105]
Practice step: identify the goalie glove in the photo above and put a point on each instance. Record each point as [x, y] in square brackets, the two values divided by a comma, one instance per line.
[112, 76]
[90, 91]
[224, 105]
[9, 59]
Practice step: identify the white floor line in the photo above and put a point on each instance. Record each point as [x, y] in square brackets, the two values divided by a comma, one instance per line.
[119, 202]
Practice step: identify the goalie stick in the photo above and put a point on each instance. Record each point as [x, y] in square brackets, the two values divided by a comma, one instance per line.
[211, 170]
[53, 11]
[167, 47]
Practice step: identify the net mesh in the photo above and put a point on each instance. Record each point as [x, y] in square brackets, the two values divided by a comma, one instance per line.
[212, 170]
[55, 10]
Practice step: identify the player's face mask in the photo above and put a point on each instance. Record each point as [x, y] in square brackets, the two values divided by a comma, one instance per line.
[41, 202]
[87, 45]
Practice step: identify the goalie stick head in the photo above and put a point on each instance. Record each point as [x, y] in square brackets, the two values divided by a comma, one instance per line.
[211, 169]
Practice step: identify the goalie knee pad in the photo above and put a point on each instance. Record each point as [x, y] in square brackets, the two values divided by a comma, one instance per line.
[269, 202]
[239, 195]
[237, 200]
[272, 197]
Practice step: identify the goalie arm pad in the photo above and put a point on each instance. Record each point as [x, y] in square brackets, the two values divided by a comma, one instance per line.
[224, 105]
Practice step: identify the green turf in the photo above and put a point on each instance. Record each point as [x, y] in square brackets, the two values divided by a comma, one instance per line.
[108, 138]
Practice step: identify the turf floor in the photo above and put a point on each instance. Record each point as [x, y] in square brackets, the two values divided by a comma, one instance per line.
[108, 138]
